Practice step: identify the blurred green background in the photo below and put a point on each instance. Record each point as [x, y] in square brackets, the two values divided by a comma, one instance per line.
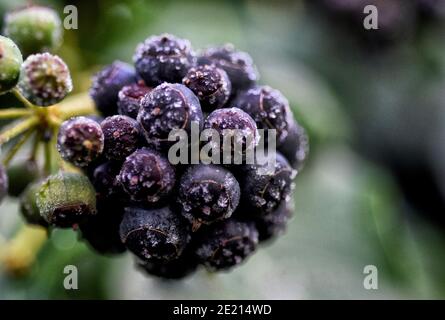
[373, 189]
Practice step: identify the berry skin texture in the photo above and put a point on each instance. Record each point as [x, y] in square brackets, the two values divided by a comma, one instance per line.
[107, 83]
[165, 108]
[231, 119]
[35, 29]
[80, 141]
[264, 190]
[227, 244]
[238, 65]
[273, 224]
[20, 175]
[66, 199]
[147, 176]
[129, 99]
[45, 79]
[122, 136]
[296, 146]
[269, 108]
[3, 182]
[210, 84]
[105, 180]
[29, 208]
[163, 58]
[154, 233]
[208, 193]
[10, 64]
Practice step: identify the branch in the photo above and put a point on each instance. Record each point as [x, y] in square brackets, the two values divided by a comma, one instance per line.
[19, 128]
[12, 113]
[14, 149]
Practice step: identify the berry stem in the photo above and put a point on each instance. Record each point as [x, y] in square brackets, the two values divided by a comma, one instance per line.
[14, 149]
[22, 99]
[35, 147]
[12, 113]
[48, 158]
[18, 129]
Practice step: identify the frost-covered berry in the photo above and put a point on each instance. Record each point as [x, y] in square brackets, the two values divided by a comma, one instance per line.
[80, 141]
[227, 244]
[274, 223]
[269, 108]
[101, 231]
[28, 206]
[237, 131]
[10, 64]
[122, 136]
[66, 199]
[238, 65]
[34, 28]
[147, 176]
[154, 233]
[129, 99]
[210, 84]
[3, 182]
[179, 268]
[266, 186]
[163, 58]
[107, 83]
[296, 146]
[208, 193]
[45, 79]
[165, 108]
[105, 180]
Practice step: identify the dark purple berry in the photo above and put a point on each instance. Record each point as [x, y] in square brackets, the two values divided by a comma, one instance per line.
[154, 233]
[101, 231]
[274, 223]
[236, 125]
[210, 84]
[107, 83]
[105, 180]
[80, 141]
[129, 99]
[165, 108]
[147, 176]
[296, 146]
[208, 193]
[227, 244]
[238, 65]
[122, 136]
[3, 182]
[163, 58]
[264, 188]
[269, 108]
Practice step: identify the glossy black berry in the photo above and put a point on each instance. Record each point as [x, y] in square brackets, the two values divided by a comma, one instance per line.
[129, 99]
[208, 193]
[266, 186]
[28, 206]
[80, 141]
[269, 108]
[210, 84]
[273, 224]
[163, 58]
[147, 176]
[122, 136]
[101, 231]
[168, 107]
[105, 180]
[227, 244]
[3, 182]
[108, 82]
[238, 65]
[296, 146]
[237, 131]
[154, 233]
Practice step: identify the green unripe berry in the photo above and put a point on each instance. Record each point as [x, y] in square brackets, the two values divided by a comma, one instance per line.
[45, 79]
[66, 199]
[20, 175]
[28, 205]
[34, 29]
[10, 64]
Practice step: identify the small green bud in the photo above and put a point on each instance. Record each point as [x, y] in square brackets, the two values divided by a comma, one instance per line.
[28, 205]
[10, 64]
[34, 29]
[45, 79]
[20, 175]
[66, 199]
[3, 182]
